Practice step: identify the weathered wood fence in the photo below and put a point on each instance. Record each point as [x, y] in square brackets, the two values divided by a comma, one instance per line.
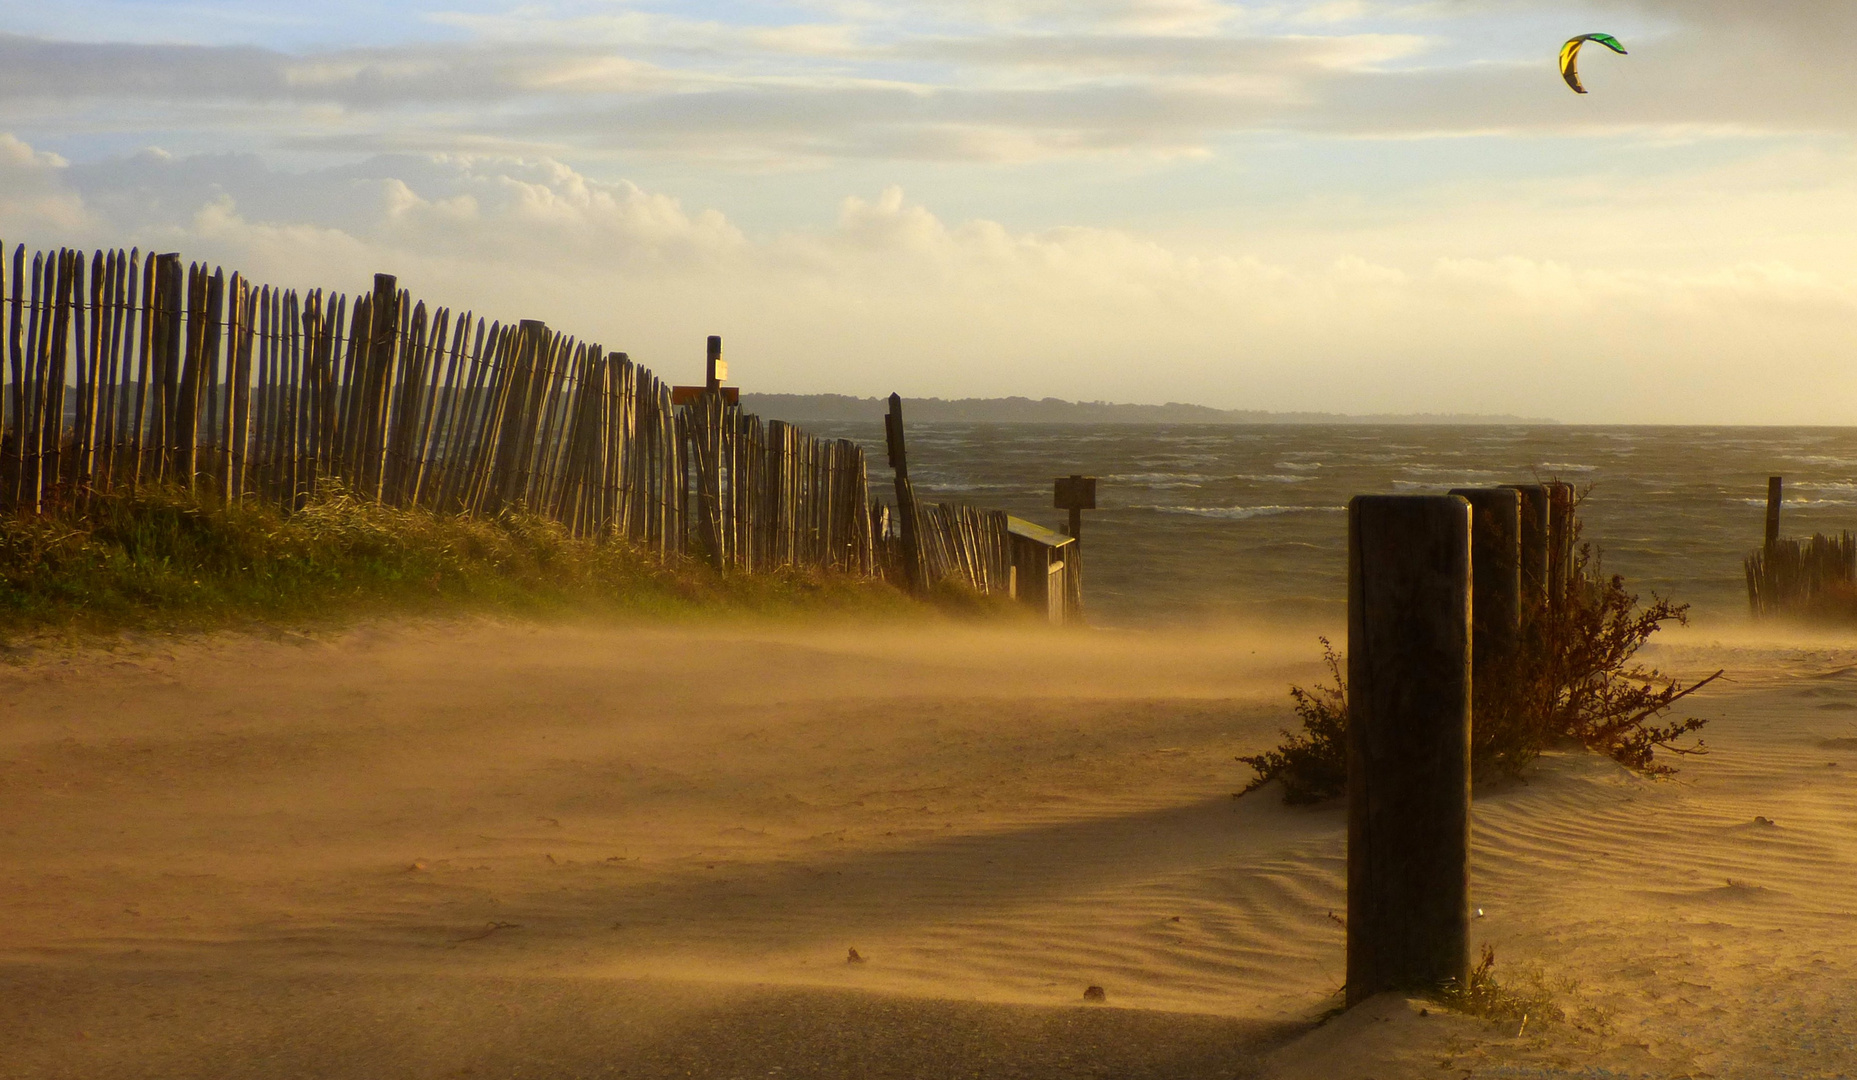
[769, 495]
[1797, 576]
[984, 550]
[969, 545]
[125, 369]
[1793, 576]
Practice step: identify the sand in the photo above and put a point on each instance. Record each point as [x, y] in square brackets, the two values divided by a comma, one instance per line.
[495, 849]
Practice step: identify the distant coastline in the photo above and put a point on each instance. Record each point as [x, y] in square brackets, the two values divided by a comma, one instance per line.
[802, 408]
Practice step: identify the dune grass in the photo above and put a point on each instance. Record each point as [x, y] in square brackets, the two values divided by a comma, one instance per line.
[161, 558]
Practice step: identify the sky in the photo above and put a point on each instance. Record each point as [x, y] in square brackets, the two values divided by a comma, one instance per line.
[1340, 205]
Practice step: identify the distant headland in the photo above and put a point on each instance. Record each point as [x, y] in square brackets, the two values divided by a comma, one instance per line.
[805, 408]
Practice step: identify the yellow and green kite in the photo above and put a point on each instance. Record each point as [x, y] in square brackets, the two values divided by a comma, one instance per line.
[1570, 55]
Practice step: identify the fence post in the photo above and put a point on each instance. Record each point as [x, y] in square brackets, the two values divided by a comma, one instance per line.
[905, 494]
[1495, 575]
[1773, 512]
[1409, 686]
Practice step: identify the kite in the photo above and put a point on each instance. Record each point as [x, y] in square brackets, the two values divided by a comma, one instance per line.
[1570, 55]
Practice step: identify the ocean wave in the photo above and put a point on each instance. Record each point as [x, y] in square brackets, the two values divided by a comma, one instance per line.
[1297, 467]
[1240, 513]
[1790, 501]
[1450, 470]
[1156, 479]
[1565, 466]
[1436, 485]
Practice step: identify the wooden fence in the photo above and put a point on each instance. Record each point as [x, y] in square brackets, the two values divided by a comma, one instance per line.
[125, 369]
[769, 495]
[965, 544]
[1794, 576]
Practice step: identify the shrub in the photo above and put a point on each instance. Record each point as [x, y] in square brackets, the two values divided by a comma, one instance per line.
[1574, 679]
[1313, 765]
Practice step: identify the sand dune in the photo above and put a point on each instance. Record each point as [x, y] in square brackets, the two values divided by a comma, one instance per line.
[643, 851]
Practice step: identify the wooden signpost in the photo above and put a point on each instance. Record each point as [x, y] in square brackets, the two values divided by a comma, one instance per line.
[717, 371]
[1076, 494]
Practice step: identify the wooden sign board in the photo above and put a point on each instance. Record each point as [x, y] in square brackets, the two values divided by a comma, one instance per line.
[685, 395]
[1075, 493]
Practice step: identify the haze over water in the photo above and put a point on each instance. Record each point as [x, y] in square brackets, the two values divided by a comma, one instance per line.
[1201, 522]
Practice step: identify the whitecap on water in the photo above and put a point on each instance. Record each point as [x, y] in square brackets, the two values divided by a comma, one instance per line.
[1239, 513]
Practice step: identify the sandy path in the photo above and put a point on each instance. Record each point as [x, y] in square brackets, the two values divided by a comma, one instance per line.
[416, 850]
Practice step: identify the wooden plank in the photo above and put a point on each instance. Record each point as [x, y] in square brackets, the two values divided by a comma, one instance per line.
[57, 368]
[238, 416]
[296, 482]
[16, 318]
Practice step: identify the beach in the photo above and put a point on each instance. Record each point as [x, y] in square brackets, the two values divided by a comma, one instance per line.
[592, 849]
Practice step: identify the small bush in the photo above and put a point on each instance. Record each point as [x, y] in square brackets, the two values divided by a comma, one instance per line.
[1574, 680]
[1313, 765]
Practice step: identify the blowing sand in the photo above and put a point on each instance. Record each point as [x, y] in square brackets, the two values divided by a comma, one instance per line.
[512, 850]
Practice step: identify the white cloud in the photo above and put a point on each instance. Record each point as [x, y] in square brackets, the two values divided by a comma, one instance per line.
[32, 192]
[1574, 320]
[956, 82]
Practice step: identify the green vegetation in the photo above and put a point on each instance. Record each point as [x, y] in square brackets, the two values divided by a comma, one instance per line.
[1313, 765]
[161, 558]
[1574, 682]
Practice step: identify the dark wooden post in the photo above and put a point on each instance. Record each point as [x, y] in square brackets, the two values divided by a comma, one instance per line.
[1496, 578]
[1409, 687]
[905, 494]
[1075, 493]
[1773, 512]
[1534, 546]
[1560, 539]
[718, 367]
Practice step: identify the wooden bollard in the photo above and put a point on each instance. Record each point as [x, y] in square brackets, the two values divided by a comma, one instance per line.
[1534, 546]
[1408, 743]
[1774, 491]
[1496, 578]
[1560, 539]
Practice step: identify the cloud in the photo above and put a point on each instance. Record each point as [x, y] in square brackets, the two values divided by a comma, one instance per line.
[32, 192]
[890, 295]
[957, 81]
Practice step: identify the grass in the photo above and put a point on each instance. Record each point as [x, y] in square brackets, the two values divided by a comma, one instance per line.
[163, 559]
[1531, 997]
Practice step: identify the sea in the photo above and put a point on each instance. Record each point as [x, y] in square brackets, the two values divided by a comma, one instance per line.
[1211, 523]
